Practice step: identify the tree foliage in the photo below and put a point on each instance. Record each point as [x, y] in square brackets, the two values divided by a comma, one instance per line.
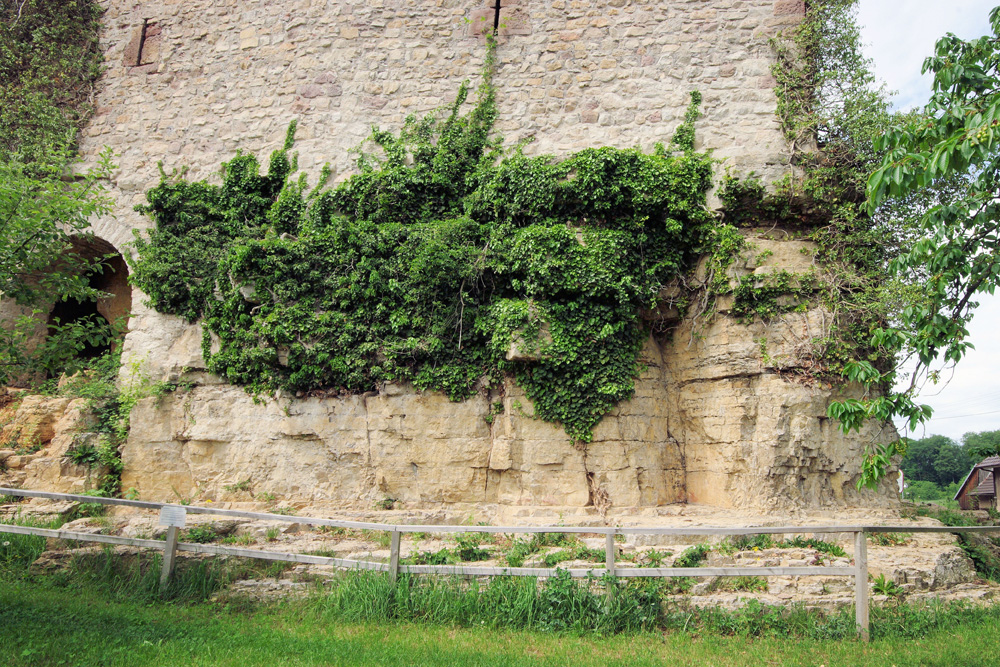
[922, 490]
[956, 256]
[431, 262]
[40, 212]
[982, 444]
[831, 110]
[49, 60]
[937, 459]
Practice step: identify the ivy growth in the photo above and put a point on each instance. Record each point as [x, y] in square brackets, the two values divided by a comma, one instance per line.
[111, 396]
[431, 262]
[831, 111]
[770, 295]
[50, 58]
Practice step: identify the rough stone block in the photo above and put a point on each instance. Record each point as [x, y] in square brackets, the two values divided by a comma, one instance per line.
[789, 8]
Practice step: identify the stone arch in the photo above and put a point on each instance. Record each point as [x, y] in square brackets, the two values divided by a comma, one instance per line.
[109, 275]
[113, 233]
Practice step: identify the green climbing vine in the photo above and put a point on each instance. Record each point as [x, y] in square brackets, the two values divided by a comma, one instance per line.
[431, 263]
[875, 245]
[50, 59]
[770, 295]
[830, 111]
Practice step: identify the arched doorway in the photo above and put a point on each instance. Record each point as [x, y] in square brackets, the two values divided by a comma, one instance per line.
[107, 272]
[39, 337]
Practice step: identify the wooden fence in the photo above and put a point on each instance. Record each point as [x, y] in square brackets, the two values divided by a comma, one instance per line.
[173, 516]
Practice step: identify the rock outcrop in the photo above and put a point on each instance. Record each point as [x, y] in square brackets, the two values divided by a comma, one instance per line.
[35, 442]
[710, 422]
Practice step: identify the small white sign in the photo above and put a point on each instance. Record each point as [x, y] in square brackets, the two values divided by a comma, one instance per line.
[173, 516]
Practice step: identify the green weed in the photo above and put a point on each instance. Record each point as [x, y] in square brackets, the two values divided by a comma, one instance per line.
[693, 556]
[380, 537]
[576, 553]
[883, 586]
[201, 534]
[731, 545]
[889, 539]
[386, 503]
[245, 485]
[246, 539]
[818, 545]
[748, 584]
[654, 558]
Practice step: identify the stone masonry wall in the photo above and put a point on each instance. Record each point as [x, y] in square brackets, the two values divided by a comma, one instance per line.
[227, 75]
[221, 75]
[191, 81]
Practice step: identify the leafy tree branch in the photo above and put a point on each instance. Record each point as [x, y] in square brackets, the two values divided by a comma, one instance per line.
[951, 145]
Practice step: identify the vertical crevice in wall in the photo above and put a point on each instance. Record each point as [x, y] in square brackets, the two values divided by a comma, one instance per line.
[144, 47]
[496, 18]
[142, 42]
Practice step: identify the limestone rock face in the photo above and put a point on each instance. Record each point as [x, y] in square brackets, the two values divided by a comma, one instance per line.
[711, 421]
[726, 413]
[755, 428]
[34, 423]
[45, 428]
[415, 447]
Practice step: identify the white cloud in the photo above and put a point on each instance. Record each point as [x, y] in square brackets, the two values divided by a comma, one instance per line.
[899, 35]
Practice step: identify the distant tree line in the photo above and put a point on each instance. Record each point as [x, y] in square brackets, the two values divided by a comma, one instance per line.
[934, 466]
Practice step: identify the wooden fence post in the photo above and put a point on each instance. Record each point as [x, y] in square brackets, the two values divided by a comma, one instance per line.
[169, 556]
[174, 518]
[861, 584]
[609, 553]
[609, 564]
[394, 555]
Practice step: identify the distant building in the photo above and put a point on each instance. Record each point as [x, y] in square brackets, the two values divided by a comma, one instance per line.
[979, 490]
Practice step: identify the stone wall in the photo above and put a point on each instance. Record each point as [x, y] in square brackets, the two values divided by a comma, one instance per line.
[415, 447]
[229, 75]
[219, 75]
[713, 420]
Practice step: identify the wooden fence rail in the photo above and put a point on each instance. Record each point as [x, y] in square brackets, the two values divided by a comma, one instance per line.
[173, 516]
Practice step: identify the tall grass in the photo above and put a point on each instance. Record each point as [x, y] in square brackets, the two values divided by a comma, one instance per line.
[17, 552]
[126, 574]
[136, 576]
[606, 607]
[555, 604]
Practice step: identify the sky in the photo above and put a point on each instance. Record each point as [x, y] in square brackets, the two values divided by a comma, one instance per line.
[898, 35]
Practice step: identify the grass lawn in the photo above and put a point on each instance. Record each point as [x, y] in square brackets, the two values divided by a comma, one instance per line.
[44, 624]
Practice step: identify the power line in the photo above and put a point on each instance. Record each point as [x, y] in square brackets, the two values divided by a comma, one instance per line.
[975, 414]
